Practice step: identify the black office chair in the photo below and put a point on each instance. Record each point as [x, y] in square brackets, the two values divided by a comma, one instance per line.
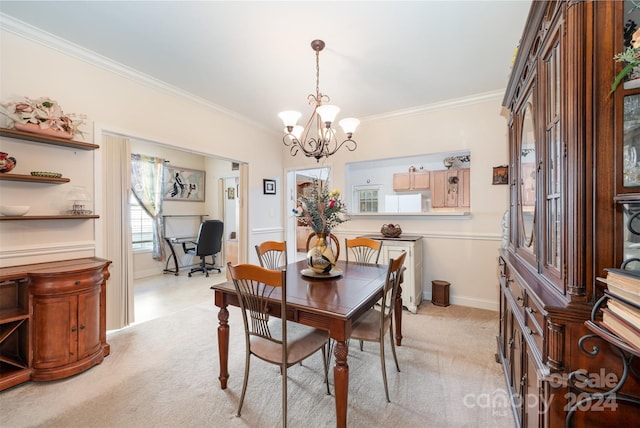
[209, 244]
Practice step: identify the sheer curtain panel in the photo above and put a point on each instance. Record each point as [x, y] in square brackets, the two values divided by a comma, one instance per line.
[146, 185]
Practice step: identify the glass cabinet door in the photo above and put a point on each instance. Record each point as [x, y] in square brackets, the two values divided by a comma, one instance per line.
[631, 140]
[527, 180]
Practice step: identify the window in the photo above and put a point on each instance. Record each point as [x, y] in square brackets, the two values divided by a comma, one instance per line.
[141, 226]
[366, 198]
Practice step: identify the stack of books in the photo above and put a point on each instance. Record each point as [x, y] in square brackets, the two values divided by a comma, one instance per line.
[622, 314]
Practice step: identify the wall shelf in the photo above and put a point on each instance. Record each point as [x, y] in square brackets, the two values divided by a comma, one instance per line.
[49, 217]
[33, 178]
[12, 133]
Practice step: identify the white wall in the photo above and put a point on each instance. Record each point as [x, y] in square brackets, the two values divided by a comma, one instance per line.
[461, 250]
[117, 103]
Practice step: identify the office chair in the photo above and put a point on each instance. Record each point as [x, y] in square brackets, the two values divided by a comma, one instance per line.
[209, 244]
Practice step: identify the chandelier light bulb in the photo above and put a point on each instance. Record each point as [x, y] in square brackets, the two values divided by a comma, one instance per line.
[289, 118]
[349, 125]
[328, 113]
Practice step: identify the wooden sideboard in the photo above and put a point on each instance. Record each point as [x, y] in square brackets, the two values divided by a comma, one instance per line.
[52, 319]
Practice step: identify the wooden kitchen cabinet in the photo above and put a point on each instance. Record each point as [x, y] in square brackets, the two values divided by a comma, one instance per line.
[450, 188]
[415, 180]
[64, 303]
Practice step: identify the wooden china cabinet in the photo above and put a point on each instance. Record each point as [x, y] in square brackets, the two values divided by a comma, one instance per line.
[570, 194]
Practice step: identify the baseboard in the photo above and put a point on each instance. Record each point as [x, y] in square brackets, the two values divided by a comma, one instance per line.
[471, 302]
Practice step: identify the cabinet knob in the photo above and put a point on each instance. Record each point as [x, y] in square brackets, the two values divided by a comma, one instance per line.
[530, 332]
[77, 282]
[519, 298]
[74, 329]
[530, 310]
[82, 327]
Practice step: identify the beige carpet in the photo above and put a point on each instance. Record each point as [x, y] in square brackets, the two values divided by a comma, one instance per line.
[163, 373]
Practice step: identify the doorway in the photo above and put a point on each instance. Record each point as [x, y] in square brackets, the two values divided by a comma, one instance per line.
[297, 181]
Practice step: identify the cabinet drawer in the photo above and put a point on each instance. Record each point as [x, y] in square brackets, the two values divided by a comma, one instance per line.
[535, 313]
[71, 282]
[534, 322]
[517, 292]
[502, 272]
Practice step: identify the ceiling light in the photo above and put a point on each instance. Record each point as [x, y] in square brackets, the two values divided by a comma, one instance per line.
[323, 142]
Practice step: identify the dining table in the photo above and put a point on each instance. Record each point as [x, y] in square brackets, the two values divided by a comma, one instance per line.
[331, 302]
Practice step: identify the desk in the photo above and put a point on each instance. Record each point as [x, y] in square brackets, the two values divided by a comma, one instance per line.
[173, 256]
[328, 304]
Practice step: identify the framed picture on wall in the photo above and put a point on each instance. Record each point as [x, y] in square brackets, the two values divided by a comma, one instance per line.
[269, 187]
[183, 184]
[501, 174]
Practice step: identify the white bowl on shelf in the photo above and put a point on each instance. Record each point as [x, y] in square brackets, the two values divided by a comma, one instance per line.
[14, 210]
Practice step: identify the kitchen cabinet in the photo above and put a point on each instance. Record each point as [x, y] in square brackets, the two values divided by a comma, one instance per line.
[412, 285]
[451, 188]
[413, 180]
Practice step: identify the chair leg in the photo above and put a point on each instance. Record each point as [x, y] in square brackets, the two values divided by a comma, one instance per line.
[244, 383]
[393, 347]
[384, 369]
[361, 345]
[284, 395]
[326, 357]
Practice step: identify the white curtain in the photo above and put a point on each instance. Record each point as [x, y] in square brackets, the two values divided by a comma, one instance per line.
[117, 184]
[146, 185]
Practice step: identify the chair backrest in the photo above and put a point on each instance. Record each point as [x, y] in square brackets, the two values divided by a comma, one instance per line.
[272, 254]
[391, 286]
[210, 237]
[363, 250]
[334, 239]
[255, 287]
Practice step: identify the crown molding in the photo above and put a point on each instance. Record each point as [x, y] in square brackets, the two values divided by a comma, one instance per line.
[37, 35]
[442, 105]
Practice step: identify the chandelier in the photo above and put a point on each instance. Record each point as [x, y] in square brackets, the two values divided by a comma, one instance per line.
[317, 138]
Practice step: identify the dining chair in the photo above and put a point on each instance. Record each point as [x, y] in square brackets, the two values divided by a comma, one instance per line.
[272, 254]
[269, 338]
[372, 326]
[311, 240]
[363, 250]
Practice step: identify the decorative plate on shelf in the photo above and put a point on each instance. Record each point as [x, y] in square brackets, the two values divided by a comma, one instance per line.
[46, 174]
[313, 274]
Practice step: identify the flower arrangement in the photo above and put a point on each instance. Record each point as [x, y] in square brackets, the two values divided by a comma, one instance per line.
[44, 112]
[321, 209]
[631, 56]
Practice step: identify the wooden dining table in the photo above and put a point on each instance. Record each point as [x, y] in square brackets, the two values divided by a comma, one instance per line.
[331, 304]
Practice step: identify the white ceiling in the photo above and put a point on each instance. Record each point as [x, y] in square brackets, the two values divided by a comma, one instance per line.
[254, 57]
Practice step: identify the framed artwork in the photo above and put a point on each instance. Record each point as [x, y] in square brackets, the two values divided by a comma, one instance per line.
[269, 187]
[183, 184]
[501, 174]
